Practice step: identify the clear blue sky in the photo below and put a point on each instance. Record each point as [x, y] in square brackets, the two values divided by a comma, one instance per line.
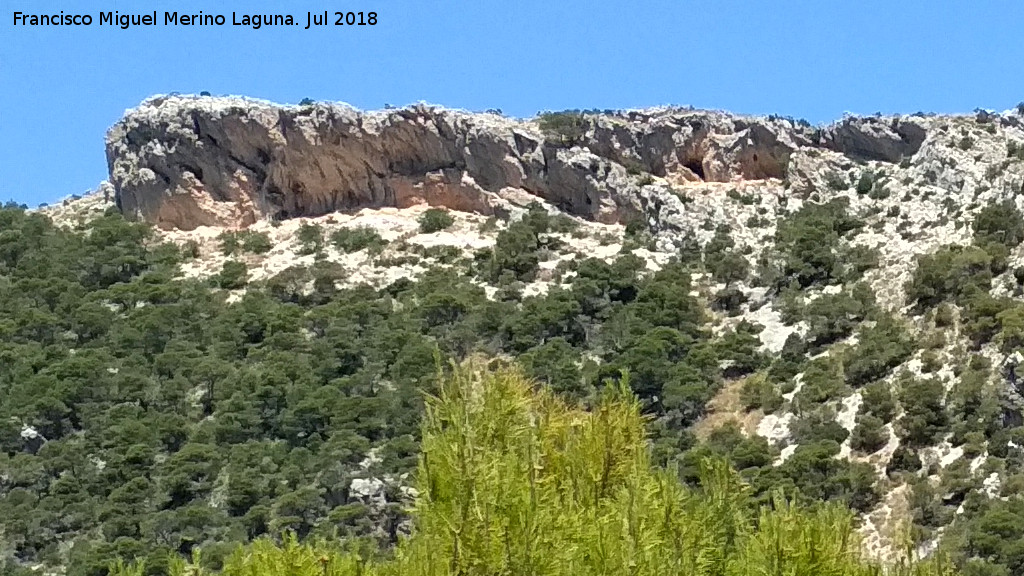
[62, 87]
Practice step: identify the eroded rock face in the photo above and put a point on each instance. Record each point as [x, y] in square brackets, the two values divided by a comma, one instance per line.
[183, 162]
[876, 138]
[188, 162]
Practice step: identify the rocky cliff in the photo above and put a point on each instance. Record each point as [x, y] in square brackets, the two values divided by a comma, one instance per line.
[183, 162]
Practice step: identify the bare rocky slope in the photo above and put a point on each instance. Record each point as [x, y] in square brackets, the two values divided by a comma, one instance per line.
[196, 166]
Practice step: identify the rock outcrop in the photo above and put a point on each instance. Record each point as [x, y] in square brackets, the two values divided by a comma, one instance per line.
[185, 161]
[876, 138]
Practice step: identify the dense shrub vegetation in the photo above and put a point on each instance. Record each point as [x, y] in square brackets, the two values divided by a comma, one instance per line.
[310, 238]
[435, 220]
[144, 417]
[235, 242]
[566, 127]
[513, 482]
[169, 419]
[356, 239]
[809, 247]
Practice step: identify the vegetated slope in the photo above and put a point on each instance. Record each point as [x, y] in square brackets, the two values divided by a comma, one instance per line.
[512, 481]
[834, 333]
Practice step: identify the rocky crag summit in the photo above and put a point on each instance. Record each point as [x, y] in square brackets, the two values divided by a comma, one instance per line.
[188, 162]
[182, 162]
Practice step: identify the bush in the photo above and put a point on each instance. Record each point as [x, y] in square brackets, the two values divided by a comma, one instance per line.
[879, 192]
[233, 275]
[981, 317]
[350, 240]
[859, 259]
[563, 224]
[720, 244]
[924, 417]
[837, 181]
[435, 220]
[790, 360]
[256, 242]
[489, 225]
[832, 317]
[881, 348]
[567, 127]
[1002, 223]
[994, 536]
[289, 285]
[325, 278]
[729, 299]
[232, 242]
[1011, 329]
[877, 400]
[744, 199]
[1015, 150]
[930, 362]
[517, 249]
[637, 235]
[818, 424]
[739, 348]
[866, 182]
[951, 273]
[729, 267]
[904, 459]
[556, 364]
[729, 441]
[944, 315]
[310, 238]
[758, 392]
[927, 506]
[190, 250]
[229, 243]
[822, 381]
[869, 435]
[818, 474]
[808, 243]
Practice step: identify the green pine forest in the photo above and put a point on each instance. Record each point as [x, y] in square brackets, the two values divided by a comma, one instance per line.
[515, 481]
[173, 432]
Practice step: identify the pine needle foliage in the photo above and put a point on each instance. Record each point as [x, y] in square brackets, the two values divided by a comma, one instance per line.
[514, 482]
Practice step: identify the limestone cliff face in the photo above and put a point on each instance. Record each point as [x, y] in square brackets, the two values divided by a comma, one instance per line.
[183, 162]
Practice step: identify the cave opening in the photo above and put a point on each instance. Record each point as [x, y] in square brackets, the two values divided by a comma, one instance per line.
[697, 167]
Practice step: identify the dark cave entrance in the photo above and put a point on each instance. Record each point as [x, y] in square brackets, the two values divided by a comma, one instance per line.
[697, 167]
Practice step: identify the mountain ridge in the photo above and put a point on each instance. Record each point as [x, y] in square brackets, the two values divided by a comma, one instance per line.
[837, 321]
[237, 160]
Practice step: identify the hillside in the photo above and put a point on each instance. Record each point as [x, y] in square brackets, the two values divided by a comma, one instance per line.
[233, 336]
[558, 490]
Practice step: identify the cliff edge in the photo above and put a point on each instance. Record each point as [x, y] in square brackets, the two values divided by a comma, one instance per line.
[187, 161]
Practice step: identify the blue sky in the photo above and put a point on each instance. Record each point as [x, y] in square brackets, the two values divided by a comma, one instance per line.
[62, 87]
